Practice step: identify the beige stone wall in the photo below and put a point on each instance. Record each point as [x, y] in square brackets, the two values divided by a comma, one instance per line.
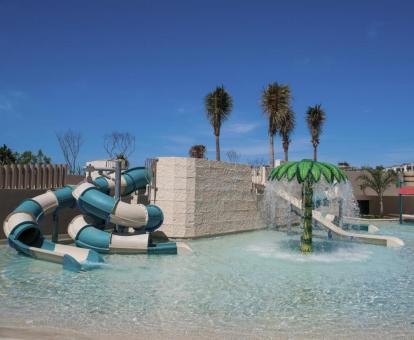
[203, 197]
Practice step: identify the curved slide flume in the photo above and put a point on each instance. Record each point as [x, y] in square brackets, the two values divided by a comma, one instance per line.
[93, 201]
[327, 222]
[23, 233]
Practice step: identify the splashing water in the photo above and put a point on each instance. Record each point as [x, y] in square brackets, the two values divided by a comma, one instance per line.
[277, 211]
[336, 199]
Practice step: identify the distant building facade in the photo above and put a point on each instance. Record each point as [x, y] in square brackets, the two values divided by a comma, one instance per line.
[368, 200]
[405, 167]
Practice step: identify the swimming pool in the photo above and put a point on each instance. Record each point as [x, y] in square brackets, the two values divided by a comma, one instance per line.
[253, 284]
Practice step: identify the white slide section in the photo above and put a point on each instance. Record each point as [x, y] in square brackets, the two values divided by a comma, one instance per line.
[326, 221]
[57, 255]
[122, 213]
[111, 242]
[408, 217]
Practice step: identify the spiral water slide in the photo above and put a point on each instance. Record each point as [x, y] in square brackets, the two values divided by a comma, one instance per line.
[99, 208]
[23, 232]
[337, 232]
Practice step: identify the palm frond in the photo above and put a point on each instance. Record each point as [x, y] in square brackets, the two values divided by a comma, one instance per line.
[376, 179]
[218, 105]
[276, 105]
[287, 125]
[315, 118]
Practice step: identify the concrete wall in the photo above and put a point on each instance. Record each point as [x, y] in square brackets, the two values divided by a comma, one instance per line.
[203, 197]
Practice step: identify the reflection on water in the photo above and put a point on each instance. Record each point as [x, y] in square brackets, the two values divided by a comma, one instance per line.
[323, 251]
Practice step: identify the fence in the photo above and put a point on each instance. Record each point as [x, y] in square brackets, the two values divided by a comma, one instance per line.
[29, 176]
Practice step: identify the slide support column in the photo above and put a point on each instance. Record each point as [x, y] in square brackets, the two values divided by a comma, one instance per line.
[400, 185]
[118, 186]
[341, 213]
[55, 230]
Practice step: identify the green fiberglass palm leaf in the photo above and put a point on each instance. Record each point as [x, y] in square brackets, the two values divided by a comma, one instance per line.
[316, 172]
[304, 168]
[326, 172]
[344, 175]
[308, 170]
[291, 173]
[284, 170]
[274, 174]
[335, 171]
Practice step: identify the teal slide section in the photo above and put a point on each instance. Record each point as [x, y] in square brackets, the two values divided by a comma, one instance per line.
[93, 238]
[27, 234]
[135, 178]
[95, 202]
[155, 218]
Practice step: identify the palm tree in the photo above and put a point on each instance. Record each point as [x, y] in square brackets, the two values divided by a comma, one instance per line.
[275, 104]
[286, 128]
[218, 107]
[315, 117]
[378, 180]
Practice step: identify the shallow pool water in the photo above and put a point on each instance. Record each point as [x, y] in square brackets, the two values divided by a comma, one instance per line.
[243, 285]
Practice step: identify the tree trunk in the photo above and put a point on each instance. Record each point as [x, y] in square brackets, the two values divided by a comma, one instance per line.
[307, 203]
[381, 206]
[217, 147]
[315, 153]
[286, 151]
[272, 152]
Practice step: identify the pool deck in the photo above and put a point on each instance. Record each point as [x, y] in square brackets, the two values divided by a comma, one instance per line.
[39, 333]
[46, 333]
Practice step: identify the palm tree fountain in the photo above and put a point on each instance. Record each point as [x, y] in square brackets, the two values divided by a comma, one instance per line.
[307, 173]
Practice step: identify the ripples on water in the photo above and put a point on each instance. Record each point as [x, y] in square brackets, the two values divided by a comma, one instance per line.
[251, 283]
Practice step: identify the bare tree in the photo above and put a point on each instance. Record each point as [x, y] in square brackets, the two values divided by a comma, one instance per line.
[233, 156]
[257, 162]
[70, 143]
[119, 144]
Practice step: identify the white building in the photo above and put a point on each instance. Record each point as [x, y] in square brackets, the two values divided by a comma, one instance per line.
[405, 167]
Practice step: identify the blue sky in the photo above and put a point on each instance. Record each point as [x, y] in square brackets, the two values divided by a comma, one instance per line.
[145, 67]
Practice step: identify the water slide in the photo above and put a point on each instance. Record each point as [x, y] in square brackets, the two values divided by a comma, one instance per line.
[337, 232]
[22, 229]
[23, 233]
[99, 208]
